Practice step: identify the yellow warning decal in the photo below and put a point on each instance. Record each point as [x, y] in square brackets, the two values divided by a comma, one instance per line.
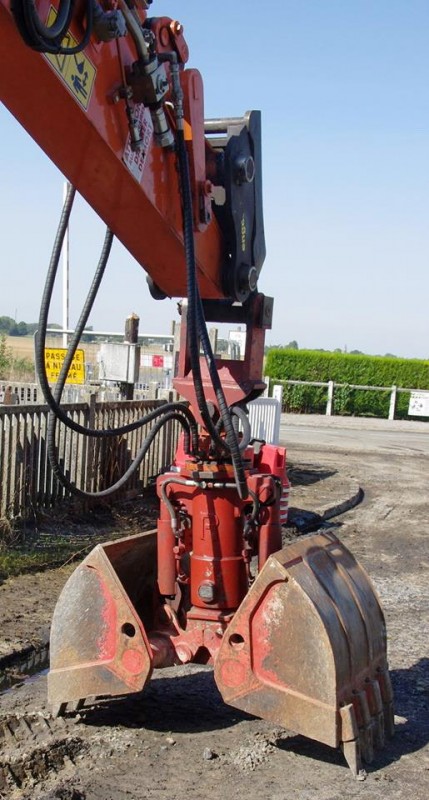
[54, 357]
[77, 71]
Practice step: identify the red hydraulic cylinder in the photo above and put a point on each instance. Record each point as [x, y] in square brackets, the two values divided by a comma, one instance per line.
[218, 571]
[166, 541]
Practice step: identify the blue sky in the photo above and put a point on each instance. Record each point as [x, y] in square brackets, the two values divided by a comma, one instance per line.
[342, 86]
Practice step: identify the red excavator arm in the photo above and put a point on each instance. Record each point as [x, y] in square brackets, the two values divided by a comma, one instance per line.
[104, 116]
[108, 116]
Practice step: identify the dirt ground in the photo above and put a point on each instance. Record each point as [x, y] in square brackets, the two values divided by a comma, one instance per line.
[177, 739]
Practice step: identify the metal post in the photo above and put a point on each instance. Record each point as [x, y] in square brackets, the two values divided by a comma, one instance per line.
[278, 393]
[90, 480]
[213, 334]
[131, 338]
[330, 400]
[66, 269]
[392, 405]
[267, 386]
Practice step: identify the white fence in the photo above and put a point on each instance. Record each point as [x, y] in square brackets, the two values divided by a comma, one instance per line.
[264, 418]
[331, 386]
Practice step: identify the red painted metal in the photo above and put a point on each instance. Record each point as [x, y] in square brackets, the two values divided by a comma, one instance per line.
[307, 649]
[88, 146]
[154, 600]
[241, 378]
[300, 642]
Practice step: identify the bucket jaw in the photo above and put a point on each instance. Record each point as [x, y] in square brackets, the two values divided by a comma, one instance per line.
[98, 641]
[307, 650]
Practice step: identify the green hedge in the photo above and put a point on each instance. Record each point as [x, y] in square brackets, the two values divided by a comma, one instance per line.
[310, 365]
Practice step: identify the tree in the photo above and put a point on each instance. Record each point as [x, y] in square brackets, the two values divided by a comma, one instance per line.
[6, 323]
[222, 346]
[4, 356]
[18, 329]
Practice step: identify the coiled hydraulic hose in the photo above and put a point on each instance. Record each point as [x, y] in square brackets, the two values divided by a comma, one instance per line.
[241, 416]
[167, 412]
[129, 472]
[53, 401]
[47, 38]
[52, 420]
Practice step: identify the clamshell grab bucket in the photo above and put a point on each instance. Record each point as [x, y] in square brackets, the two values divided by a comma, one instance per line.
[307, 649]
[98, 640]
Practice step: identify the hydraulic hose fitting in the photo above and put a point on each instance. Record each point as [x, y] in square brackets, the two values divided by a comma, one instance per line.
[108, 25]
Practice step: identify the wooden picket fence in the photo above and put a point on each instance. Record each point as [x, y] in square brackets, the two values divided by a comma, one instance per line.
[27, 482]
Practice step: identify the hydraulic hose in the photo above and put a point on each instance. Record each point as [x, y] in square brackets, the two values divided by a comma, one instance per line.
[168, 503]
[198, 330]
[53, 401]
[241, 415]
[52, 420]
[167, 412]
[129, 472]
[47, 38]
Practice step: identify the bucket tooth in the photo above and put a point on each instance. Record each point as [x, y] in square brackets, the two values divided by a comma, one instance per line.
[365, 726]
[386, 690]
[302, 645]
[350, 743]
[375, 704]
[98, 641]
[351, 752]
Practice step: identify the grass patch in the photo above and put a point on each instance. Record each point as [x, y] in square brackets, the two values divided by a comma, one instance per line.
[58, 536]
[25, 558]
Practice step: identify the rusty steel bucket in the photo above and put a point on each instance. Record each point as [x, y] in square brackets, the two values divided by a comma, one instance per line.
[98, 640]
[307, 650]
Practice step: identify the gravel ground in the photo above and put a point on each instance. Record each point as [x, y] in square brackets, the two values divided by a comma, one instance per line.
[177, 738]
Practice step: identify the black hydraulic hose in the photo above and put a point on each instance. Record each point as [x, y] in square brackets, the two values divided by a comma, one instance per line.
[177, 413]
[188, 235]
[168, 503]
[241, 415]
[48, 38]
[129, 472]
[256, 505]
[87, 308]
[95, 285]
[53, 401]
[198, 329]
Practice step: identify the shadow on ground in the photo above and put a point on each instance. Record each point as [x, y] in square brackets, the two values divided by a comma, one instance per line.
[309, 474]
[191, 703]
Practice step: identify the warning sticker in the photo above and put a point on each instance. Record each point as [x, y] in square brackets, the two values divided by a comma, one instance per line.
[136, 159]
[54, 357]
[419, 404]
[77, 71]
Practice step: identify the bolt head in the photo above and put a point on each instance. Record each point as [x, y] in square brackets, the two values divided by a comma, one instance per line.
[244, 170]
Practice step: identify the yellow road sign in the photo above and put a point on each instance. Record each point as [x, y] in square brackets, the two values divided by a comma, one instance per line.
[77, 71]
[54, 357]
